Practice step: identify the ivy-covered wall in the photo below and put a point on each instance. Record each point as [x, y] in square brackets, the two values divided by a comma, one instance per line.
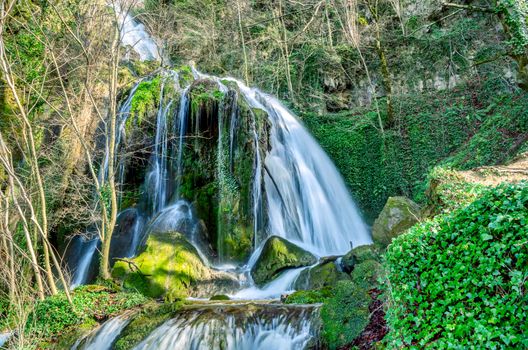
[473, 125]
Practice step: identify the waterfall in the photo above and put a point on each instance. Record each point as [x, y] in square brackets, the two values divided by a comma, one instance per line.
[4, 337]
[87, 251]
[237, 327]
[182, 129]
[308, 201]
[284, 284]
[158, 176]
[103, 337]
[133, 34]
[293, 182]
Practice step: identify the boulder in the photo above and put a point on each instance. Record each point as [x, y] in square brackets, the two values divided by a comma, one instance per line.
[325, 274]
[277, 255]
[357, 256]
[399, 214]
[168, 266]
[367, 273]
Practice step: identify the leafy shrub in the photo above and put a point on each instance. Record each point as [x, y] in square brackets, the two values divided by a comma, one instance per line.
[460, 281]
[54, 314]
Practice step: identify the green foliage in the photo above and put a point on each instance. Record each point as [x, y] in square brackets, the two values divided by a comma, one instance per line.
[315, 296]
[448, 191]
[345, 314]
[460, 281]
[145, 99]
[464, 128]
[54, 314]
[514, 13]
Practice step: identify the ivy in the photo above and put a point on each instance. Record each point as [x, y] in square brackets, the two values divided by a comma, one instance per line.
[514, 14]
[459, 281]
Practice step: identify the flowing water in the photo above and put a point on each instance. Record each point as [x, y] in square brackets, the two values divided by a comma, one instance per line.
[134, 35]
[295, 186]
[4, 337]
[103, 337]
[237, 327]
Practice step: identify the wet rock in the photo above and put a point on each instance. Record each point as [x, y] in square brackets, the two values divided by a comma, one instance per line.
[357, 256]
[323, 275]
[168, 266]
[122, 235]
[399, 214]
[279, 254]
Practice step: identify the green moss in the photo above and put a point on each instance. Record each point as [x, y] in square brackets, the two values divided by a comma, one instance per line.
[185, 74]
[205, 94]
[70, 335]
[220, 297]
[146, 98]
[279, 254]
[359, 255]
[344, 315]
[149, 318]
[309, 296]
[320, 276]
[367, 274]
[168, 266]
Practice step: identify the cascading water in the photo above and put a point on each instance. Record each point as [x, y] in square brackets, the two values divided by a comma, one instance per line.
[134, 35]
[237, 327]
[4, 337]
[308, 202]
[86, 246]
[103, 337]
[296, 193]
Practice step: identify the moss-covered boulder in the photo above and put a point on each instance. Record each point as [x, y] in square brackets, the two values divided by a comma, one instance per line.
[367, 274]
[169, 266]
[147, 320]
[344, 315]
[399, 214]
[277, 255]
[357, 256]
[323, 275]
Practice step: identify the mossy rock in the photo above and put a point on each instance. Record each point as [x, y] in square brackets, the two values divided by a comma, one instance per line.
[309, 296]
[398, 215]
[67, 338]
[277, 255]
[357, 256]
[345, 314]
[323, 275]
[219, 297]
[367, 274]
[168, 266]
[146, 321]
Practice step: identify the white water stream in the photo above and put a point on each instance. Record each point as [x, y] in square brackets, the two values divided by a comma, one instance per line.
[103, 337]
